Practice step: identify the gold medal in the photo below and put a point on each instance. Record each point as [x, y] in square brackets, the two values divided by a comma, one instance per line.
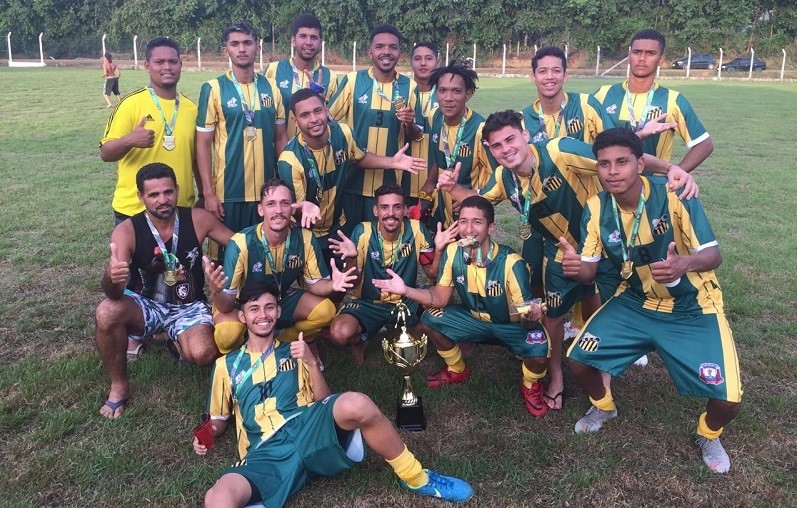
[627, 269]
[170, 277]
[399, 103]
[168, 142]
[525, 230]
[250, 133]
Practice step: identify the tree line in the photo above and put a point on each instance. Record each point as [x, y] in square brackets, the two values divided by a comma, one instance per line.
[74, 28]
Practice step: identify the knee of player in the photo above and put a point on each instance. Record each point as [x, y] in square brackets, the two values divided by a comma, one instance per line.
[358, 407]
[341, 330]
[109, 313]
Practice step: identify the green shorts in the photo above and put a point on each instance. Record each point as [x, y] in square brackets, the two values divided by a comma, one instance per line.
[561, 292]
[308, 445]
[458, 324]
[288, 304]
[358, 208]
[373, 315]
[532, 254]
[237, 216]
[697, 349]
[607, 279]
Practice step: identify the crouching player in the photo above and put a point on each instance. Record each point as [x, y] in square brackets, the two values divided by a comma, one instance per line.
[290, 426]
[669, 301]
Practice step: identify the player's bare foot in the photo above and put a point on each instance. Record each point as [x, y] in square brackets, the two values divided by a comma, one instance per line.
[358, 351]
[554, 396]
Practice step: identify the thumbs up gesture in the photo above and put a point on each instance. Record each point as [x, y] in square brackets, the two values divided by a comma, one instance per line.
[571, 259]
[118, 269]
[301, 351]
[140, 136]
[670, 269]
[447, 179]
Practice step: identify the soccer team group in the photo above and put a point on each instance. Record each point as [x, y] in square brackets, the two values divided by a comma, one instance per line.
[319, 224]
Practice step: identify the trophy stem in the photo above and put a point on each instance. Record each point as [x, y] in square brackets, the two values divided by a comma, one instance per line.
[408, 397]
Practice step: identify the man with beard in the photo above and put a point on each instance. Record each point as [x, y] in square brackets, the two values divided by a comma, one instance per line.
[316, 163]
[379, 105]
[154, 282]
[240, 133]
[274, 251]
[391, 242]
[289, 425]
[303, 70]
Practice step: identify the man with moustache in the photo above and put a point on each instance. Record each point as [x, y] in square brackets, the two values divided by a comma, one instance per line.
[154, 281]
[303, 70]
[379, 105]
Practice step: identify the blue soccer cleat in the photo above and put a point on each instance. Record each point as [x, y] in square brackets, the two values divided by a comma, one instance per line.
[443, 487]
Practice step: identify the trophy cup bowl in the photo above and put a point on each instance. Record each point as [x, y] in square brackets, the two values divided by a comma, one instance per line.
[406, 352]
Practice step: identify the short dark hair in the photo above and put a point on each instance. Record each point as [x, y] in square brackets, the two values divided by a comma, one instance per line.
[302, 95]
[254, 289]
[482, 204]
[548, 51]
[618, 136]
[160, 42]
[426, 44]
[272, 184]
[649, 34]
[389, 188]
[153, 171]
[241, 27]
[468, 75]
[499, 120]
[384, 29]
[108, 57]
[306, 20]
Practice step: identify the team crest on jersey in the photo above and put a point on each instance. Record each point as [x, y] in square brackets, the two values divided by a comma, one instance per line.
[654, 112]
[284, 83]
[711, 374]
[240, 463]
[575, 125]
[232, 103]
[341, 156]
[493, 288]
[435, 137]
[536, 337]
[611, 109]
[460, 279]
[614, 237]
[351, 306]
[182, 290]
[363, 99]
[436, 312]
[375, 255]
[661, 225]
[266, 101]
[464, 150]
[539, 137]
[287, 364]
[589, 342]
[551, 183]
[405, 250]
[294, 261]
[553, 299]
[257, 267]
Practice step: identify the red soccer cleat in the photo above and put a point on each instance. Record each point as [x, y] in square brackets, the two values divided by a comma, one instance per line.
[533, 399]
[447, 377]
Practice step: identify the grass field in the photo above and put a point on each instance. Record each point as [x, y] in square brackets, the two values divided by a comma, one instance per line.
[55, 219]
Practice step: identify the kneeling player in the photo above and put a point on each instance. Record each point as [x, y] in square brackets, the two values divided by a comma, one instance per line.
[670, 300]
[290, 425]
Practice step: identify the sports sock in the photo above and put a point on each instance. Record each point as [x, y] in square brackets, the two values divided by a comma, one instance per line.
[229, 335]
[529, 377]
[453, 359]
[606, 403]
[409, 469]
[577, 321]
[321, 316]
[704, 430]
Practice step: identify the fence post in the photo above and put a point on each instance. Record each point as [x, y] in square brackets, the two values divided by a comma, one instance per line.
[10, 59]
[103, 44]
[323, 52]
[354, 56]
[535, 49]
[503, 63]
[628, 65]
[566, 51]
[447, 48]
[719, 65]
[291, 50]
[598, 61]
[688, 60]
[517, 53]
[783, 63]
[261, 55]
[474, 56]
[41, 49]
[135, 51]
[752, 57]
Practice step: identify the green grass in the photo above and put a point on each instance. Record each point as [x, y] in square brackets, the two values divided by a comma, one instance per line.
[55, 219]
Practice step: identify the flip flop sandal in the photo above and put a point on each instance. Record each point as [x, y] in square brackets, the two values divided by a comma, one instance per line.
[558, 395]
[134, 354]
[114, 406]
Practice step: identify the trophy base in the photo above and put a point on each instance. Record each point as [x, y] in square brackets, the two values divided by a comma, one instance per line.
[411, 417]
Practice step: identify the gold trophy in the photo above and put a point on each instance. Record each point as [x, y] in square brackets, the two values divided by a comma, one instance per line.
[406, 353]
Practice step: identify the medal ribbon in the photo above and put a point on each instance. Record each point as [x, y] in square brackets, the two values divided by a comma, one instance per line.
[248, 109]
[239, 378]
[315, 173]
[451, 158]
[381, 244]
[381, 92]
[526, 206]
[432, 98]
[168, 128]
[634, 228]
[297, 79]
[270, 257]
[479, 255]
[169, 258]
[629, 105]
[557, 125]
